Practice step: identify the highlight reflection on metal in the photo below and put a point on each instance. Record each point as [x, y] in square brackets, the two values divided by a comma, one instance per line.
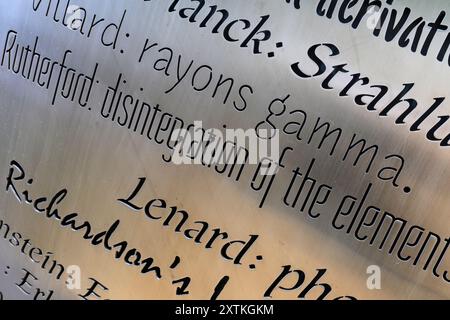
[91, 92]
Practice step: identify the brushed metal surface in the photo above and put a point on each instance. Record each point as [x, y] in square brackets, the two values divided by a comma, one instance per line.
[98, 161]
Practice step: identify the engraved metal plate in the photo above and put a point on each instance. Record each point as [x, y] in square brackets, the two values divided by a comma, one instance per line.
[93, 205]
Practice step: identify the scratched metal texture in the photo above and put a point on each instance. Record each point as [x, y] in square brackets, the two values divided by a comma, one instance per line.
[65, 146]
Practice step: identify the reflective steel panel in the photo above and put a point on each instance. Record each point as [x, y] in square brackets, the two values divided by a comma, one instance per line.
[224, 149]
